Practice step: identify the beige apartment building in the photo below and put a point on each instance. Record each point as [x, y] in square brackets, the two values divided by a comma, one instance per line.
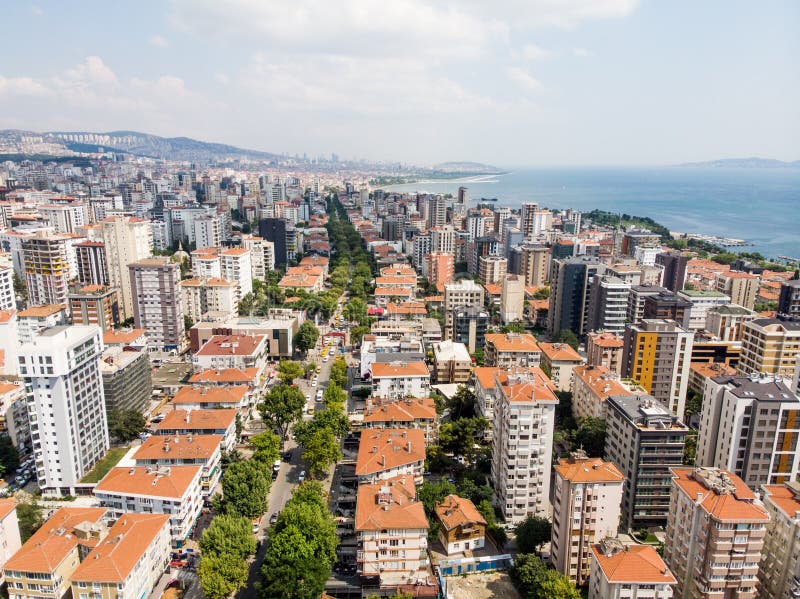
[741, 287]
[451, 362]
[605, 349]
[157, 307]
[725, 322]
[715, 535]
[465, 292]
[779, 573]
[10, 541]
[591, 386]
[559, 360]
[512, 298]
[770, 346]
[127, 240]
[492, 269]
[586, 504]
[508, 350]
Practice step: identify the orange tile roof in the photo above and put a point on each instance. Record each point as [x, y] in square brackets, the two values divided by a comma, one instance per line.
[405, 410]
[198, 420]
[390, 504]
[390, 449]
[182, 447]
[233, 345]
[393, 291]
[784, 499]
[532, 384]
[117, 555]
[225, 375]
[434, 298]
[142, 480]
[589, 470]
[299, 280]
[398, 269]
[208, 395]
[41, 311]
[712, 369]
[600, 380]
[56, 539]
[606, 340]
[7, 315]
[560, 352]
[396, 280]
[399, 369]
[10, 387]
[493, 289]
[234, 252]
[6, 507]
[636, 563]
[456, 511]
[306, 269]
[122, 337]
[735, 274]
[485, 376]
[512, 342]
[410, 307]
[736, 507]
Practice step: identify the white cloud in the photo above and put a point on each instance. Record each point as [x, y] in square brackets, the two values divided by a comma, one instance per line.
[532, 52]
[22, 86]
[159, 41]
[523, 78]
[37, 11]
[581, 52]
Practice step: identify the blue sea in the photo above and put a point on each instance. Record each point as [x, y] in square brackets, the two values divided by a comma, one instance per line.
[761, 205]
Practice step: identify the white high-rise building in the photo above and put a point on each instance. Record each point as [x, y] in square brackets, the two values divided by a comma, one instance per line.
[262, 254]
[236, 266]
[207, 231]
[127, 240]
[7, 296]
[522, 444]
[66, 406]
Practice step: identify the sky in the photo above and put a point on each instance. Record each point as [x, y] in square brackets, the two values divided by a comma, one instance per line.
[506, 82]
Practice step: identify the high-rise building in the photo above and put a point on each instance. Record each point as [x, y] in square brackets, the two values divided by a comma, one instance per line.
[608, 304]
[741, 287]
[46, 258]
[8, 299]
[443, 239]
[127, 380]
[262, 254]
[512, 298]
[666, 305]
[751, 427]
[586, 502]
[789, 300]
[274, 230]
[470, 324]
[236, 266]
[437, 211]
[644, 440]
[779, 573]
[492, 269]
[157, 305]
[529, 220]
[207, 231]
[440, 268]
[657, 355]
[95, 304]
[91, 260]
[725, 322]
[534, 265]
[701, 301]
[674, 265]
[522, 447]
[570, 286]
[126, 240]
[770, 346]
[636, 299]
[61, 368]
[457, 294]
[715, 534]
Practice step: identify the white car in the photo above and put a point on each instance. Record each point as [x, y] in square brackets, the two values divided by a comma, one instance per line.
[308, 396]
[325, 359]
[314, 383]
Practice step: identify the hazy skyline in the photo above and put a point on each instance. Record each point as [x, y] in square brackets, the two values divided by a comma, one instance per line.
[516, 82]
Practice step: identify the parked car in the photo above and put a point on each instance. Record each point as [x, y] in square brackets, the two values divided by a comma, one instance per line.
[273, 518]
[302, 476]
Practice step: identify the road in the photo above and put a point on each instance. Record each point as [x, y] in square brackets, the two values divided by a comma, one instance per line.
[282, 486]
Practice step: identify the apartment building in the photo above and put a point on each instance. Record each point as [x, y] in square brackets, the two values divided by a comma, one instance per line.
[644, 440]
[458, 294]
[512, 298]
[470, 324]
[387, 453]
[170, 490]
[522, 444]
[666, 305]
[42, 568]
[451, 362]
[207, 231]
[779, 572]
[700, 372]
[128, 563]
[507, 350]
[674, 265]
[184, 450]
[278, 327]
[47, 261]
[559, 360]
[8, 299]
[236, 266]
[10, 541]
[636, 299]
[570, 291]
[492, 269]
[201, 422]
[156, 299]
[398, 380]
[715, 534]
[586, 507]
[591, 386]
[440, 268]
[402, 347]
[750, 426]
[726, 322]
[66, 405]
[37, 318]
[462, 526]
[770, 346]
[534, 265]
[392, 530]
[789, 300]
[14, 416]
[621, 571]
[127, 378]
[95, 304]
[126, 240]
[608, 304]
[200, 296]
[605, 349]
[657, 355]
[262, 253]
[701, 300]
[741, 287]
[484, 380]
[419, 413]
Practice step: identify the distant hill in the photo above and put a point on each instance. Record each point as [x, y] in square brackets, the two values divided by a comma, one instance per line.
[465, 167]
[752, 162]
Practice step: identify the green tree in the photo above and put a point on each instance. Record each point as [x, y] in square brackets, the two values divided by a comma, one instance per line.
[321, 450]
[431, 493]
[228, 535]
[288, 370]
[462, 404]
[310, 368]
[9, 456]
[306, 336]
[690, 449]
[532, 532]
[568, 337]
[487, 511]
[542, 293]
[333, 394]
[221, 575]
[282, 406]
[535, 580]
[29, 518]
[591, 436]
[188, 323]
[20, 288]
[460, 436]
[339, 372]
[514, 327]
[356, 310]
[357, 334]
[245, 486]
[266, 447]
[125, 425]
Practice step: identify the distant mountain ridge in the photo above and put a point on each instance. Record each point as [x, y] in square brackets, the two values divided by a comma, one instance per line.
[465, 167]
[752, 162]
